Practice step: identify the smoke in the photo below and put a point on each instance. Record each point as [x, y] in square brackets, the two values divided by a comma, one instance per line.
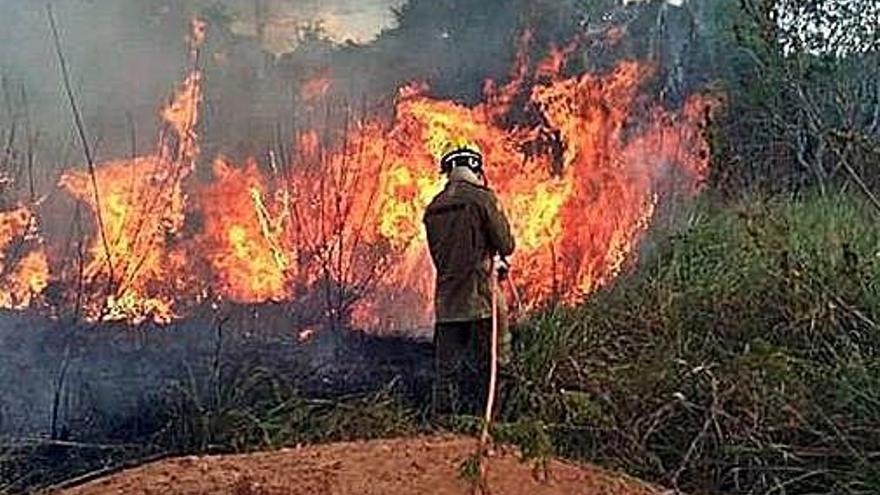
[126, 55]
[120, 55]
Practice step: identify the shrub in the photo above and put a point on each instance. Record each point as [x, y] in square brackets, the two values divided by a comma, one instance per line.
[742, 357]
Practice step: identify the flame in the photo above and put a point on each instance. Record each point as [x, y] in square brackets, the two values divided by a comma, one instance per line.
[198, 30]
[554, 64]
[239, 240]
[579, 163]
[24, 267]
[133, 270]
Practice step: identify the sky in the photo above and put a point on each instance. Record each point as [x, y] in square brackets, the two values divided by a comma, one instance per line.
[355, 20]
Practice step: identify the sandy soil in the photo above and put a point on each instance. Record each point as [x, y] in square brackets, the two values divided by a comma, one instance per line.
[426, 465]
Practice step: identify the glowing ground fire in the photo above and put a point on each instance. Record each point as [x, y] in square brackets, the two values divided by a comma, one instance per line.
[580, 175]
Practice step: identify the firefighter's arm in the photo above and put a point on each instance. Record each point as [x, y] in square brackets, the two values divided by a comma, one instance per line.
[498, 228]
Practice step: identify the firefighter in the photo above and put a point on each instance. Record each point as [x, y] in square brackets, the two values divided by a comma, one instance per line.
[468, 237]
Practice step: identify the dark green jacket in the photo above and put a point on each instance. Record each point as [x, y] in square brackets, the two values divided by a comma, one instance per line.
[466, 229]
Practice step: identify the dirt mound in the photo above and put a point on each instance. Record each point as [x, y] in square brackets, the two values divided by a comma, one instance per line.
[427, 465]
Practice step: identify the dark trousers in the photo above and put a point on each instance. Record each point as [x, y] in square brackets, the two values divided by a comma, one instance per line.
[462, 353]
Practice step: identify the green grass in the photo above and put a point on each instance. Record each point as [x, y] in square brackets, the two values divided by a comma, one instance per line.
[740, 357]
[261, 411]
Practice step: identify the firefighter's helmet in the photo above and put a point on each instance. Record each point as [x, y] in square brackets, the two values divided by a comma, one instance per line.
[461, 153]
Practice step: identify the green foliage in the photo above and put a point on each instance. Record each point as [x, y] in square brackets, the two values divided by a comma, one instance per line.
[257, 410]
[469, 470]
[801, 106]
[743, 357]
[534, 441]
[833, 27]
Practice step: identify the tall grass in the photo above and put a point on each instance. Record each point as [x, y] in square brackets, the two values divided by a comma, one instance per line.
[743, 356]
[257, 409]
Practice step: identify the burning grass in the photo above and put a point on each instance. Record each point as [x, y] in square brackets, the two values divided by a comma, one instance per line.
[580, 161]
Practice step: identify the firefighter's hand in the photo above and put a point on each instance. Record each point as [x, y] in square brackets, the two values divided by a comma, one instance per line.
[503, 268]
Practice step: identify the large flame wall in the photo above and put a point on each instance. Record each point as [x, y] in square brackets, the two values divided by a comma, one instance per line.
[579, 173]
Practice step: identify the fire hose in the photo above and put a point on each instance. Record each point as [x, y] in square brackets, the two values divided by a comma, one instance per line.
[485, 435]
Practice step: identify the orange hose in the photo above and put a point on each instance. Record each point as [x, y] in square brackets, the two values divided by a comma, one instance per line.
[485, 436]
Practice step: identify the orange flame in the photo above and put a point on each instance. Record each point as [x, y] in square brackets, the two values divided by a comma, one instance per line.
[137, 273]
[24, 267]
[240, 239]
[580, 175]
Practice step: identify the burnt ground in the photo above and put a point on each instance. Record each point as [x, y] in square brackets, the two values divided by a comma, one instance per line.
[76, 399]
[388, 467]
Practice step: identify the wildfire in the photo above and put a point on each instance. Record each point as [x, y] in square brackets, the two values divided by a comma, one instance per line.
[133, 268]
[579, 174]
[240, 240]
[24, 268]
